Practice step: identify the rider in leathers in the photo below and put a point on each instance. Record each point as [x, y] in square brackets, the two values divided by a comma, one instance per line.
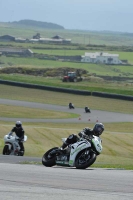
[19, 131]
[97, 131]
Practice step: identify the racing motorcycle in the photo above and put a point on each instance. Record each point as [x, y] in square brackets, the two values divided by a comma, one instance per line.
[81, 154]
[12, 146]
[87, 110]
[71, 106]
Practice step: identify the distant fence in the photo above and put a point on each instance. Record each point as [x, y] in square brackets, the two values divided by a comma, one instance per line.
[65, 90]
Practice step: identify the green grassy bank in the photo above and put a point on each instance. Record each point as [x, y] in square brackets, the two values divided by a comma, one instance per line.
[117, 137]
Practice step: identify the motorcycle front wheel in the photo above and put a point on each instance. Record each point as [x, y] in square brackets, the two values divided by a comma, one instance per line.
[84, 160]
[6, 150]
[48, 159]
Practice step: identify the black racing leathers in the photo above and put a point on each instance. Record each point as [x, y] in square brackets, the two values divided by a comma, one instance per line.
[20, 133]
[74, 138]
[88, 131]
[70, 140]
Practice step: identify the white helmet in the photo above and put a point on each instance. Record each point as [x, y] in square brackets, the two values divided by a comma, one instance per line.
[18, 124]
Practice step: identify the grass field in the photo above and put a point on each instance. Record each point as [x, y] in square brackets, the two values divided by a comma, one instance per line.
[93, 83]
[117, 137]
[92, 68]
[117, 146]
[122, 55]
[21, 112]
[77, 36]
[44, 96]
[90, 84]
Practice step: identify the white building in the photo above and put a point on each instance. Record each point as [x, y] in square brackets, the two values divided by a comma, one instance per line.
[101, 57]
[51, 40]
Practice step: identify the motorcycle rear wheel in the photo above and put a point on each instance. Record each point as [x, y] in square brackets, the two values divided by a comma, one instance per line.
[21, 153]
[48, 160]
[83, 161]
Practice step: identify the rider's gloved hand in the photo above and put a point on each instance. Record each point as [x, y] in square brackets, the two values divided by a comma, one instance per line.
[86, 129]
[86, 137]
[9, 134]
[81, 134]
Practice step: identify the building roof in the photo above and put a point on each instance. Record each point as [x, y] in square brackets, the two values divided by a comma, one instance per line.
[14, 50]
[98, 54]
[7, 37]
[57, 37]
[49, 40]
[20, 39]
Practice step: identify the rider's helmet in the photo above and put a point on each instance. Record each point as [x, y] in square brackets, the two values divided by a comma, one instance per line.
[98, 129]
[18, 124]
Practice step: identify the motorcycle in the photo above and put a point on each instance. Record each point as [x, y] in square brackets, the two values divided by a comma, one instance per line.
[12, 146]
[87, 110]
[71, 106]
[81, 154]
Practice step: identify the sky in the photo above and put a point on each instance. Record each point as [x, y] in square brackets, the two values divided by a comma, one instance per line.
[92, 15]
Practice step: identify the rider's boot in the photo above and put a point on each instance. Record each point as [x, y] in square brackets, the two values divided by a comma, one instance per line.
[64, 145]
[62, 148]
[21, 151]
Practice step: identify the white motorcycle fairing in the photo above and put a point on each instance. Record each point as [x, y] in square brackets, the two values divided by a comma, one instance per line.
[13, 138]
[76, 148]
[97, 142]
[12, 144]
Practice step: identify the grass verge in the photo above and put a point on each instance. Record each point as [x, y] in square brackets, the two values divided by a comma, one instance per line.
[91, 84]
[58, 98]
[117, 141]
[117, 138]
[11, 111]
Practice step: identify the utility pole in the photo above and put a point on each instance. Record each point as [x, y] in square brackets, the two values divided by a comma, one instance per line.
[84, 39]
[89, 39]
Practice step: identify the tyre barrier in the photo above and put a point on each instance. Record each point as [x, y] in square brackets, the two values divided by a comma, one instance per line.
[43, 87]
[113, 96]
[70, 91]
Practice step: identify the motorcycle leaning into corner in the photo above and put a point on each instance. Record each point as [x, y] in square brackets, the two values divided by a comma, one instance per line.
[12, 146]
[87, 110]
[71, 106]
[81, 154]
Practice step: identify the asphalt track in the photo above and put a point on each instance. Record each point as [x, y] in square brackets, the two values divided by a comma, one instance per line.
[24, 182]
[30, 181]
[94, 116]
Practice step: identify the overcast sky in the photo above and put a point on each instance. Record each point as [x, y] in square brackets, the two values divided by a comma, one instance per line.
[112, 15]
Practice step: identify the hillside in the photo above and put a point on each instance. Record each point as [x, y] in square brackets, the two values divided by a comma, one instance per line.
[38, 24]
[23, 30]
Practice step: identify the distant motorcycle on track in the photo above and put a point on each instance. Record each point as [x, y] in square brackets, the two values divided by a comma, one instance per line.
[71, 106]
[87, 110]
